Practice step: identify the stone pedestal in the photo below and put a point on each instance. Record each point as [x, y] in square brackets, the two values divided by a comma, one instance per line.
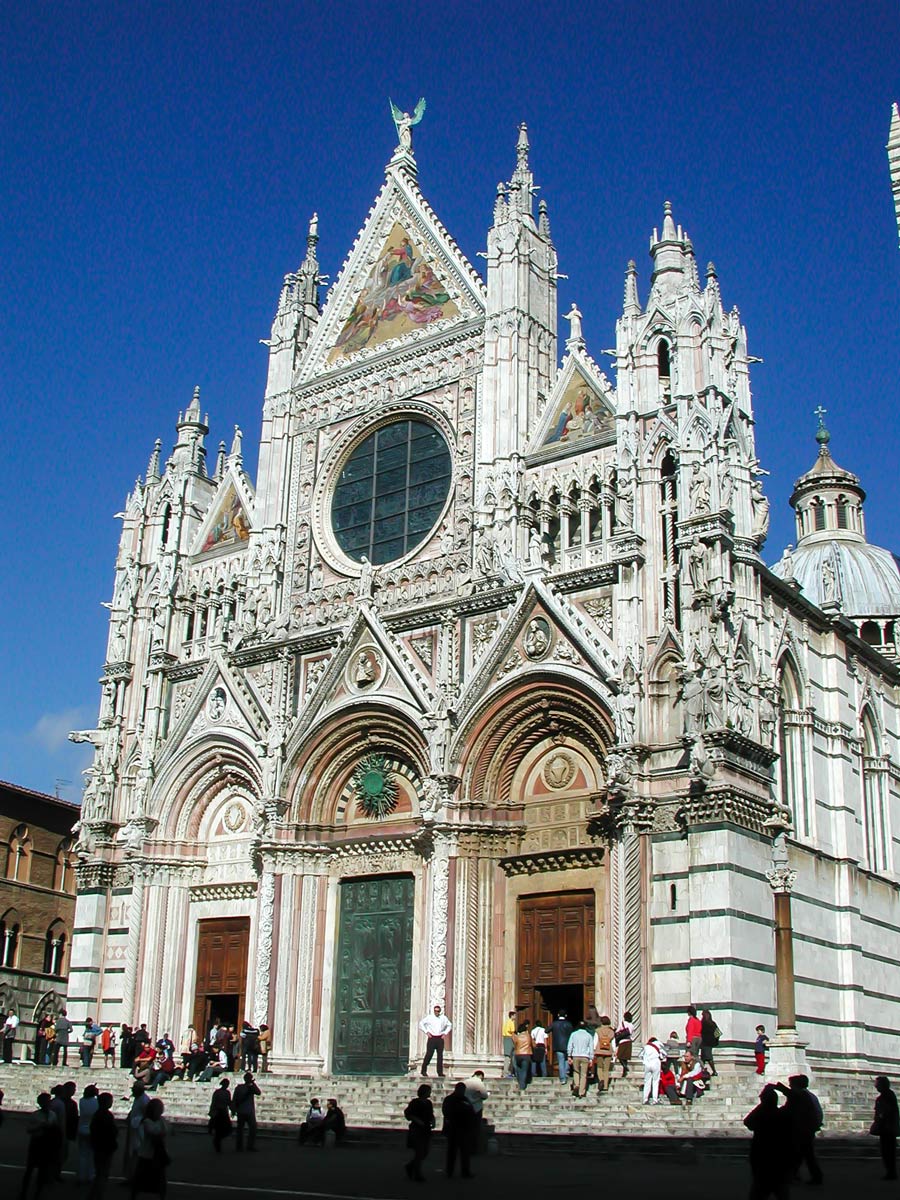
[787, 1056]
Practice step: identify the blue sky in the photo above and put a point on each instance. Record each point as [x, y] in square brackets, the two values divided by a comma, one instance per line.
[160, 163]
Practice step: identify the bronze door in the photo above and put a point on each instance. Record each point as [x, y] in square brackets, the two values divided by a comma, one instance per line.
[555, 954]
[374, 966]
[223, 947]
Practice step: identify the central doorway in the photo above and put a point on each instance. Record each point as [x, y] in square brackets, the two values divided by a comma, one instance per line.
[223, 947]
[555, 956]
[374, 973]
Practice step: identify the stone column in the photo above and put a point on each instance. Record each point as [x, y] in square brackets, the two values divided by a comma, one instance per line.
[264, 933]
[440, 902]
[133, 956]
[786, 1051]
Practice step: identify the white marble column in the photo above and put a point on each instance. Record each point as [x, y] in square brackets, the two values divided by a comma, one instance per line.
[264, 932]
[133, 948]
[440, 904]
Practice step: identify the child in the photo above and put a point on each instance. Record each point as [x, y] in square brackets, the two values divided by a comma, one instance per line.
[760, 1049]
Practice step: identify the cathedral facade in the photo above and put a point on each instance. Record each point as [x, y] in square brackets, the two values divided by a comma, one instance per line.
[483, 695]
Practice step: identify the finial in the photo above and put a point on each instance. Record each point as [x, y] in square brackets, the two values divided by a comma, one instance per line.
[236, 442]
[500, 212]
[220, 461]
[711, 271]
[668, 229]
[153, 465]
[404, 122]
[632, 304]
[522, 148]
[823, 437]
[543, 218]
[313, 236]
[195, 399]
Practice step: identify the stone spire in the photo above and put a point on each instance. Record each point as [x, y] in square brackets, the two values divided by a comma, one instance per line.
[190, 451]
[668, 254]
[220, 462]
[893, 149]
[632, 304]
[153, 464]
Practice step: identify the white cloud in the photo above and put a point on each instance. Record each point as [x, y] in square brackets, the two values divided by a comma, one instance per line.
[52, 729]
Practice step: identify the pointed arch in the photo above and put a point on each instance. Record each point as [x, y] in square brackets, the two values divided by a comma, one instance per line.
[10, 938]
[56, 945]
[18, 855]
[792, 771]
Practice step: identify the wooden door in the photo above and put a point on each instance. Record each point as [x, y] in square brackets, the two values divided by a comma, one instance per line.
[374, 972]
[555, 946]
[223, 947]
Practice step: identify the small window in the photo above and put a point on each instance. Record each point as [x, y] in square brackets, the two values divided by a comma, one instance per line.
[166, 522]
[18, 859]
[870, 631]
[10, 929]
[842, 521]
[673, 896]
[55, 949]
[64, 875]
[818, 515]
[662, 359]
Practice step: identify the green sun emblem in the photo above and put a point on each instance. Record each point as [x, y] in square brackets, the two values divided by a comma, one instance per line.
[375, 790]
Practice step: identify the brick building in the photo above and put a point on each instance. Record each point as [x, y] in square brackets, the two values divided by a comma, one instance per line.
[37, 904]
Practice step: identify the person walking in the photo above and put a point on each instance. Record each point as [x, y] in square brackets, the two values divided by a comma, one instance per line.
[87, 1109]
[523, 1055]
[219, 1118]
[459, 1129]
[693, 1031]
[652, 1058]
[710, 1034]
[64, 1029]
[886, 1125]
[759, 1049]
[152, 1155]
[560, 1032]
[604, 1036]
[539, 1049]
[435, 1027]
[265, 1045]
[624, 1039]
[104, 1140]
[243, 1105]
[42, 1155]
[770, 1149]
[420, 1115]
[579, 1053]
[509, 1033]
[139, 1102]
[805, 1114]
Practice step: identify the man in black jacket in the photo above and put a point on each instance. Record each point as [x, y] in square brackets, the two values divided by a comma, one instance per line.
[459, 1129]
[560, 1032]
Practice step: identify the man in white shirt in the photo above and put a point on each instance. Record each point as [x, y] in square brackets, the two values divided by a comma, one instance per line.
[9, 1035]
[539, 1049]
[435, 1027]
[579, 1052]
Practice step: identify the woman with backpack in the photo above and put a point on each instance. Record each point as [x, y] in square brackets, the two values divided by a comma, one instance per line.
[604, 1037]
[624, 1037]
[709, 1039]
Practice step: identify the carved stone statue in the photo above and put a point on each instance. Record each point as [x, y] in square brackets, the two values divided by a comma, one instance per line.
[486, 558]
[535, 549]
[726, 488]
[366, 580]
[829, 582]
[625, 503]
[787, 564]
[692, 697]
[366, 668]
[697, 566]
[698, 489]
[404, 122]
[768, 716]
[573, 316]
[760, 508]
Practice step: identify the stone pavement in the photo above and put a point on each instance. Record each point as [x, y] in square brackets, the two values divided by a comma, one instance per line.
[367, 1168]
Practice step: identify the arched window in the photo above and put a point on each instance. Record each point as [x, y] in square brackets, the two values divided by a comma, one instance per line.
[10, 935]
[791, 777]
[870, 631]
[64, 874]
[818, 515]
[668, 503]
[18, 859]
[595, 513]
[873, 814]
[573, 519]
[663, 360]
[841, 509]
[55, 949]
[166, 522]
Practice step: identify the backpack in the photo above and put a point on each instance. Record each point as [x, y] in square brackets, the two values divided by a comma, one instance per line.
[717, 1034]
[604, 1040]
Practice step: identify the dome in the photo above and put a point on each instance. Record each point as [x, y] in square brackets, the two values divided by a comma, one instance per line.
[866, 578]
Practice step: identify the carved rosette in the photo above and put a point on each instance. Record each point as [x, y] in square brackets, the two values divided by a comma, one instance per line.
[781, 878]
[264, 934]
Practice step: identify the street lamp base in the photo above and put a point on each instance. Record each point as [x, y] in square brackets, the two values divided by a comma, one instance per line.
[787, 1056]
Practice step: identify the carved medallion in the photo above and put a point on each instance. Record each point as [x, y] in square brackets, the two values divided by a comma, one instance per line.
[235, 817]
[537, 638]
[365, 669]
[375, 788]
[216, 704]
[559, 770]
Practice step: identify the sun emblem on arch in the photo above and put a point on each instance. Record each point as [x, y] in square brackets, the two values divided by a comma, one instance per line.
[375, 788]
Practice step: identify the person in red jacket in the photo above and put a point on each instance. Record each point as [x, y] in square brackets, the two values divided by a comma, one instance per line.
[693, 1031]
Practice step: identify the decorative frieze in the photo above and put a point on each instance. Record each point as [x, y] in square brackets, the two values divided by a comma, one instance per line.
[541, 862]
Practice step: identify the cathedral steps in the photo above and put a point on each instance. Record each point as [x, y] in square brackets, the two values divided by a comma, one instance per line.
[545, 1109]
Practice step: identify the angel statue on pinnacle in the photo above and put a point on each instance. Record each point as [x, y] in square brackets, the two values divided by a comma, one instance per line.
[404, 122]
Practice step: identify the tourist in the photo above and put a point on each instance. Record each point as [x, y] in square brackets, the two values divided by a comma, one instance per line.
[188, 1048]
[87, 1109]
[770, 1148]
[459, 1128]
[333, 1126]
[166, 1045]
[420, 1114]
[219, 1115]
[232, 1047]
[523, 1054]
[759, 1049]
[668, 1084]
[604, 1036]
[108, 1046]
[624, 1039]
[42, 1154]
[560, 1032]
[139, 1104]
[10, 1025]
[139, 1038]
[673, 1047]
[250, 1046]
[104, 1140]
[144, 1064]
[652, 1058]
[152, 1156]
[314, 1115]
[805, 1114]
[509, 1033]
[886, 1125]
[476, 1092]
[539, 1049]
[126, 1047]
[265, 1044]
[690, 1079]
[693, 1031]
[216, 1066]
[70, 1126]
[89, 1036]
[579, 1053]
[40, 1041]
[60, 1144]
[243, 1105]
[435, 1027]
[64, 1029]
[163, 1071]
[710, 1034]
[50, 1041]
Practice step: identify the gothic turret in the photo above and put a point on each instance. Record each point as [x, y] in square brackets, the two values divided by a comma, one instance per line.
[190, 452]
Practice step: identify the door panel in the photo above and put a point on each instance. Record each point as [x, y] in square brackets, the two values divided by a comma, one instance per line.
[555, 946]
[374, 971]
[223, 947]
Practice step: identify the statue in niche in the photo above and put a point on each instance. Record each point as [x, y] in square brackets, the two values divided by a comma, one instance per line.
[759, 506]
[697, 566]
[768, 715]
[366, 668]
[625, 503]
[726, 488]
[829, 582]
[698, 489]
[537, 638]
[486, 558]
[535, 548]
[692, 697]
[366, 584]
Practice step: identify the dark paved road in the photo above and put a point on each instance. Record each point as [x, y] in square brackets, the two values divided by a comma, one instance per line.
[280, 1168]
